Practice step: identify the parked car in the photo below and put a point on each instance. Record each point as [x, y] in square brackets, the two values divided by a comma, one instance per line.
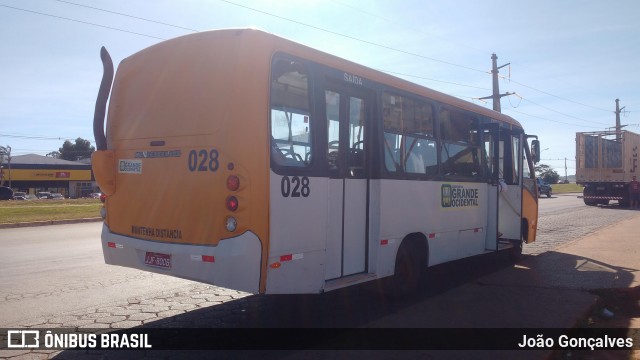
[6, 193]
[19, 195]
[543, 188]
[56, 196]
[94, 195]
[43, 195]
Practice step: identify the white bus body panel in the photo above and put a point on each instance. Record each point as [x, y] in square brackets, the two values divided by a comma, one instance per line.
[306, 232]
[297, 232]
[335, 195]
[510, 212]
[236, 261]
[453, 232]
[355, 226]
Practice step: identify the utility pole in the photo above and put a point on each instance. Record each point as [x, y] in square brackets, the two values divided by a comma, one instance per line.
[618, 127]
[496, 91]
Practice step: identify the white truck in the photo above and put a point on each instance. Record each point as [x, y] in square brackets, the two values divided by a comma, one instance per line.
[606, 161]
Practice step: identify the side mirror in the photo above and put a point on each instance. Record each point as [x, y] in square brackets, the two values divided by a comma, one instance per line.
[535, 151]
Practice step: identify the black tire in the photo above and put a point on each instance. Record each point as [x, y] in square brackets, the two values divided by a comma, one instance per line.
[410, 269]
[589, 202]
[515, 253]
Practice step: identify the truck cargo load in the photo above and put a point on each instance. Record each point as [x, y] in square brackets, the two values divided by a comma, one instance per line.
[606, 161]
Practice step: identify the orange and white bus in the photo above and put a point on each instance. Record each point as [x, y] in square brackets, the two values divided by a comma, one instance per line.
[244, 160]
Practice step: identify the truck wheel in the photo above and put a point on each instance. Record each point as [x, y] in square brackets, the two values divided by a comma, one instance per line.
[589, 202]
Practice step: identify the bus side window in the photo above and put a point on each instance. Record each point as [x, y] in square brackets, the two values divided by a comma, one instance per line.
[409, 138]
[332, 100]
[461, 155]
[290, 115]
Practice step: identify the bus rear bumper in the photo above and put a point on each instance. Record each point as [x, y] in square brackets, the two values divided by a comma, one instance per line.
[234, 263]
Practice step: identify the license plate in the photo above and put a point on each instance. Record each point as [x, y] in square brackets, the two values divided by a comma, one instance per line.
[158, 260]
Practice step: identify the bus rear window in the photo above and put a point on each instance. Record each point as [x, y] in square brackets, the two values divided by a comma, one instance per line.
[290, 115]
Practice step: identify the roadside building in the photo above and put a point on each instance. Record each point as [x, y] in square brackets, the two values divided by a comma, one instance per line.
[35, 173]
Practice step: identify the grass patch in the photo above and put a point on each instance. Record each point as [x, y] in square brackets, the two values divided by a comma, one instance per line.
[14, 211]
[566, 188]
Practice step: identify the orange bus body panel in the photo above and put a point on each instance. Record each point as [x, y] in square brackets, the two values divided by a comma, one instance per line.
[197, 96]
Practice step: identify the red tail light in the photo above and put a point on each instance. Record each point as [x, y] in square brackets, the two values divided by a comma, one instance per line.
[233, 183]
[232, 203]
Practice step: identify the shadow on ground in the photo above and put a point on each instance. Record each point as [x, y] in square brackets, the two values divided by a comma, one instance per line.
[262, 316]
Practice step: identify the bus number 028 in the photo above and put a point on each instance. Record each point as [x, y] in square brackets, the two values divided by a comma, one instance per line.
[203, 160]
[295, 186]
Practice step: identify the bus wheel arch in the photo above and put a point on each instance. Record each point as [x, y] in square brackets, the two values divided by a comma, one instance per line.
[411, 262]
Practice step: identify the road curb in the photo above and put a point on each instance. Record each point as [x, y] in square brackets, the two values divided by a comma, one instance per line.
[49, 222]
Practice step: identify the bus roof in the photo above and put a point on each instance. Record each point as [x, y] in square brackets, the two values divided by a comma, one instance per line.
[288, 46]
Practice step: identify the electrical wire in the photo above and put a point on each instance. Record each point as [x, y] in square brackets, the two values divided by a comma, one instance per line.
[555, 121]
[555, 96]
[129, 16]
[430, 79]
[354, 38]
[316, 28]
[81, 22]
[561, 113]
[32, 137]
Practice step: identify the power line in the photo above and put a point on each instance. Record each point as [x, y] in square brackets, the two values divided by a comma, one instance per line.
[402, 24]
[558, 112]
[129, 16]
[420, 31]
[426, 78]
[313, 27]
[32, 137]
[555, 121]
[417, 55]
[555, 96]
[353, 37]
[82, 22]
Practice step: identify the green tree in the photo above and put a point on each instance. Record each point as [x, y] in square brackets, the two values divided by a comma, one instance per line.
[547, 174]
[80, 150]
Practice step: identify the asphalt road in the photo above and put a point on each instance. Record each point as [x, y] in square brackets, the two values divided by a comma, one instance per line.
[559, 203]
[54, 276]
[49, 270]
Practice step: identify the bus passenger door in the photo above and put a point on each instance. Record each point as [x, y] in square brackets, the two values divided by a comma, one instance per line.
[346, 247]
[503, 153]
[510, 196]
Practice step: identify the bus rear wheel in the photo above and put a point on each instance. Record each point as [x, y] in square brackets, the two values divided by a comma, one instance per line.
[410, 268]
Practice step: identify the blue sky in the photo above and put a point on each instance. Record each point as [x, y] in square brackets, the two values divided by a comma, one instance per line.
[569, 60]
